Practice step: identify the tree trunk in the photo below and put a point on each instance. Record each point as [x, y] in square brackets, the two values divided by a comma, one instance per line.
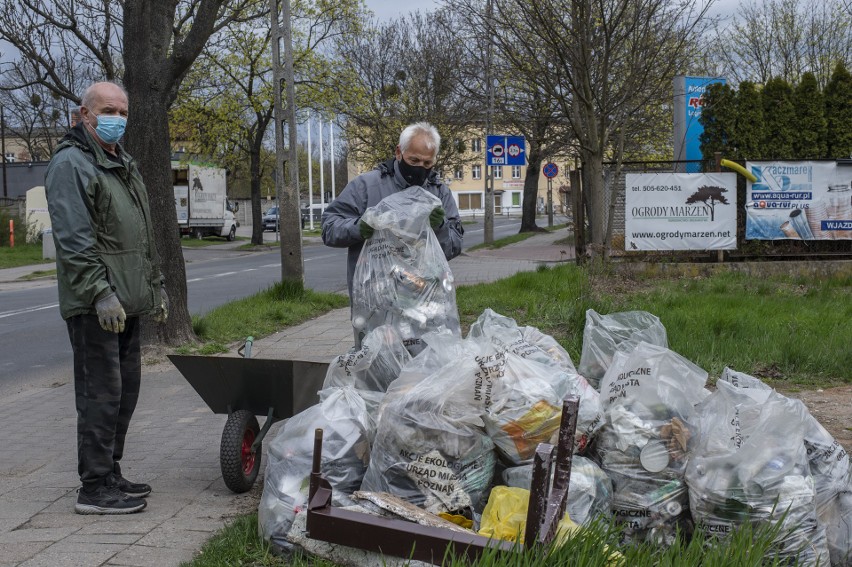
[528, 209]
[256, 215]
[151, 90]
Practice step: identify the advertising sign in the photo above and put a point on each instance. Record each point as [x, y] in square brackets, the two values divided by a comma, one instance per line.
[688, 104]
[680, 211]
[799, 200]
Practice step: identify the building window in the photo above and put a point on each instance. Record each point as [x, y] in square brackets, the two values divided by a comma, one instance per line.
[468, 201]
[10, 157]
[497, 171]
[476, 145]
[516, 197]
[477, 172]
[516, 172]
[459, 173]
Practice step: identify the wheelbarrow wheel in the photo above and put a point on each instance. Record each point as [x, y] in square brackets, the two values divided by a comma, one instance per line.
[239, 465]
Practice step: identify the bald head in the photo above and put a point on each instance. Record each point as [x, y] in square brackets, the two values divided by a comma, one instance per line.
[105, 102]
[101, 90]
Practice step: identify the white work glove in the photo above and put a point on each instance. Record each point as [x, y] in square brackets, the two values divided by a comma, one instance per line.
[111, 314]
[161, 312]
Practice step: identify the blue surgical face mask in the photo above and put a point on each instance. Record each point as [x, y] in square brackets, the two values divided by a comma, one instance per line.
[110, 128]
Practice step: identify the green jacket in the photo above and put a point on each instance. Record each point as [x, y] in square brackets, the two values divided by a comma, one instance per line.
[102, 228]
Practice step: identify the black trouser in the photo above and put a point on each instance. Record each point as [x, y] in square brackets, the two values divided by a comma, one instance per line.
[107, 375]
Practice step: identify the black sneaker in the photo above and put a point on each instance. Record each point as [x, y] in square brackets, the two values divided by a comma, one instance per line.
[107, 500]
[135, 489]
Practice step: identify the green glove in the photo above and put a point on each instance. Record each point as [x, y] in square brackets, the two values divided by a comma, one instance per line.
[365, 230]
[111, 314]
[161, 312]
[436, 217]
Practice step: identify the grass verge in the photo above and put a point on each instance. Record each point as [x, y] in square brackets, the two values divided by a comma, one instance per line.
[513, 238]
[39, 274]
[21, 255]
[190, 242]
[281, 305]
[774, 327]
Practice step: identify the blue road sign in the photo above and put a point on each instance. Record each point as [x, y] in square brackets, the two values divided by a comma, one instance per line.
[550, 170]
[505, 150]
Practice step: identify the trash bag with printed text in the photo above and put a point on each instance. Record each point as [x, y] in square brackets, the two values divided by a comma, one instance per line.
[430, 446]
[604, 334]
[373, 366]
[648, 396]
[749, 464]
[527, 386]
[830, 468]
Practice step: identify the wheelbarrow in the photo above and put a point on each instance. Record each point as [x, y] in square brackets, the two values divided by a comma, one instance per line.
[244, 388]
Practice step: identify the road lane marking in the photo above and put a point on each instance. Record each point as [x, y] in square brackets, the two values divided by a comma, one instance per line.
[27, 310]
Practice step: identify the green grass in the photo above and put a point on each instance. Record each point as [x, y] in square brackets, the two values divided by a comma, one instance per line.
[38, 274]
[596, 546]
[778, 327]
[514, 238]
[21, 255]
[505, 241]
[190, 242]
[282, 305]
[239, 544]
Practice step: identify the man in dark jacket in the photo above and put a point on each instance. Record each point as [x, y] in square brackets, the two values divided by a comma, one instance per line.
[412, 165]
[108, 277]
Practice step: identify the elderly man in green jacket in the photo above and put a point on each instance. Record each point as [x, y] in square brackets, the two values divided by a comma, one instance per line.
[108, 277]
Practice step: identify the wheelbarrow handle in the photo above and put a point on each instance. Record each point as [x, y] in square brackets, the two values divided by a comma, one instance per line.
[245, 350]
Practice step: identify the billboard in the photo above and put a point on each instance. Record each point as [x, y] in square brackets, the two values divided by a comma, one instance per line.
[680, 211]
[801, 200]
[688, 104]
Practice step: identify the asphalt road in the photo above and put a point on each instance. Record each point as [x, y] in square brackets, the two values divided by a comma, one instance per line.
[35, 347]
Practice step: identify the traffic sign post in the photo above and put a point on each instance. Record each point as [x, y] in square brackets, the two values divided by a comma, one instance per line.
[505, 150]
[550, 171]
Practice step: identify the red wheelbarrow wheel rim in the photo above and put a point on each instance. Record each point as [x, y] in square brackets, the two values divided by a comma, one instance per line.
[246, 456]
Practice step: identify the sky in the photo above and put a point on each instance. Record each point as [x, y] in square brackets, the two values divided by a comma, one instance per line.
[387, 9]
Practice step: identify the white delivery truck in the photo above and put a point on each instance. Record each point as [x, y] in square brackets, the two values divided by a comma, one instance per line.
[201, 201]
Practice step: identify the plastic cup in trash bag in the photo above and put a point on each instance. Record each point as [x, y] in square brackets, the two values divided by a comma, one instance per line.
[654, 456]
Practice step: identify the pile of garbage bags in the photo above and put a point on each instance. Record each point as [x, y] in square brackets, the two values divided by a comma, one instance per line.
[655, 449]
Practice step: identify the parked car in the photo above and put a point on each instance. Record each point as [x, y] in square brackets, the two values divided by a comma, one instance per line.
[270, 219]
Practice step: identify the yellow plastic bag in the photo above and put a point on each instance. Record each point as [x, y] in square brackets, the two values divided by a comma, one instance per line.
[505, 515]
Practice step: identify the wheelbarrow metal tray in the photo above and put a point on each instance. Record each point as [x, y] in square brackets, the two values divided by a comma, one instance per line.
[253, 384]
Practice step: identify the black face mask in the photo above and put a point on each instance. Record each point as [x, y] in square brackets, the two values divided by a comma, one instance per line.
[413, 174]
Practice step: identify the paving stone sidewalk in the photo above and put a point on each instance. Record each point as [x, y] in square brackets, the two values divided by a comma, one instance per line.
[173, 444]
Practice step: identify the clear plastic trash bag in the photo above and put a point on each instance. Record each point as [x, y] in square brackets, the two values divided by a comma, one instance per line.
[648, 397]
[373, 366]
[528, 386]
[344, 417]
[402, 277]
[604, 334]
[749, 464]
[589, 491]
[830, 468]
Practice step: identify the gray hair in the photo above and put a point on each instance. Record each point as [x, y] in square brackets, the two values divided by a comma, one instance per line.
[433, 139]
[88, 97]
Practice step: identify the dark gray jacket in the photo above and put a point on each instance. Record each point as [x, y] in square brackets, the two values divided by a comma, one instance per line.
[101, 227]
[340, 219]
